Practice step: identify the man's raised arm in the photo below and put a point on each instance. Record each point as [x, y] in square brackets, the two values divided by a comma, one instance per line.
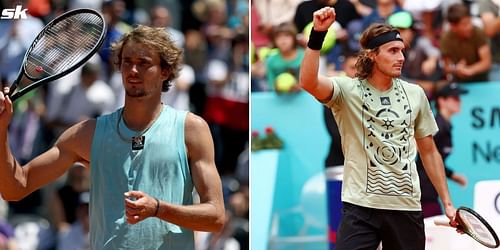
[317, 85]
[17, 181]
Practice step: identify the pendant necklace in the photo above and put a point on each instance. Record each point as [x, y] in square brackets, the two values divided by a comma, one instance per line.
[139, 140]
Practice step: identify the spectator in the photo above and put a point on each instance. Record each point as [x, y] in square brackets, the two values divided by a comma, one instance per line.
[348, 65]
[88, 99]
[178, 95]
[464, 48]
[421, 65]
[26, 124]
[238, 16]
[66, 199]
[7, 240]
[289, 56]
[227, 106]
[275, 12]
[196, 56]
[381, 12]
[16, 37]
[258, 69]
[160, 17]
[362, 7]
[489, 10]
[76, 4]
[112, 10]
[77, 237]
[217, 34]
[426, 12]
[259, 37]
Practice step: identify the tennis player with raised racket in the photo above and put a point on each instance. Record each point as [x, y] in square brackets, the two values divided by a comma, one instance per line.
[383, 121]
[144, 159]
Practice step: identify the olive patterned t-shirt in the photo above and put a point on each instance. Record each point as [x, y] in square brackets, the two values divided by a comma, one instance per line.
[378, 140]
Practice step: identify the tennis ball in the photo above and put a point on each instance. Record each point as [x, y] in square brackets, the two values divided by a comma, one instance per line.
[285, 82]
[329, 41]
[265, 52]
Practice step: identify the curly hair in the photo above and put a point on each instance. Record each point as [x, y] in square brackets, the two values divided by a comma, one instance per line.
[158, 39]
[364, 65]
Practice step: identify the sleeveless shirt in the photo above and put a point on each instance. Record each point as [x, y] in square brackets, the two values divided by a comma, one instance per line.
[160, 170]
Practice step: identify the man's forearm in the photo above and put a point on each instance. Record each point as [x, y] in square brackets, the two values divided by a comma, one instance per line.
[11, 174]
[309, 69]
[434, 168]
[199, 217]
[480, 67]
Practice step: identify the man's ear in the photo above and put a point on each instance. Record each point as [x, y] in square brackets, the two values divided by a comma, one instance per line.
[165, 73]
[372, 54]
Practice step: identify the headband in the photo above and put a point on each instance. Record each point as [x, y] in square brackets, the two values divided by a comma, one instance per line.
[384, 38]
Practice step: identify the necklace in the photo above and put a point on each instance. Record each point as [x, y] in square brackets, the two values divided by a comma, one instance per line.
[139, 140]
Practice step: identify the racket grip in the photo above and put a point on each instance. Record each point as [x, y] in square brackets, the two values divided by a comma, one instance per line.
[442, 222]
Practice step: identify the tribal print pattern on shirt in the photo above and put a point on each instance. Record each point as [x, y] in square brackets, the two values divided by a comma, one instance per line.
[387, 127]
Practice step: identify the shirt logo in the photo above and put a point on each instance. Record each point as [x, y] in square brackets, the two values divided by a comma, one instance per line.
[385, 101]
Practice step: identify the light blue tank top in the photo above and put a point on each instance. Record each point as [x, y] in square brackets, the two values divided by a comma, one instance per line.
[160, 169]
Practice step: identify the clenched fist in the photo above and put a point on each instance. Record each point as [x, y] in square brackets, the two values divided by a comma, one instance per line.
[323, 18]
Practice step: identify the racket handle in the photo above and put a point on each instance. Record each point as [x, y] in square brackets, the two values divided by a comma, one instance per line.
[14, 97]
[442, 222]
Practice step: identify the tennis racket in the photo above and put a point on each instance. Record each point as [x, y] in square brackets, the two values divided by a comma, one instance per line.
[63, 45]
[475, 226]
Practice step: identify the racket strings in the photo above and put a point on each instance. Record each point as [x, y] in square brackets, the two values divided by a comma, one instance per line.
[478, 229]
[69, 49]
[64, 44]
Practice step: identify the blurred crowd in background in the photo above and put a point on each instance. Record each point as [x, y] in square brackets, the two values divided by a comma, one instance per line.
[213, 83]
[446, 40]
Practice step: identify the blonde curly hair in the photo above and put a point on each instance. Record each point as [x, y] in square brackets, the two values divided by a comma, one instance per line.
[160, 40]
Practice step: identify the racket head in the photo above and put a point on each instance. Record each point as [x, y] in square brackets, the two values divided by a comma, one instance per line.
[477, 227]
[65, 44]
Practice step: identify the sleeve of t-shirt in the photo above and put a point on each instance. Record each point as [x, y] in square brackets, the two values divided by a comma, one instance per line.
[482, 39]
[337, 96]
[425, 124]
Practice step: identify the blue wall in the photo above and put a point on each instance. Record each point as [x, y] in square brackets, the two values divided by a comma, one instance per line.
[476, 139]
[297, 119]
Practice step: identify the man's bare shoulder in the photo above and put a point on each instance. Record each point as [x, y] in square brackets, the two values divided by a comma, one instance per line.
[197, 136]
[194, 124]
